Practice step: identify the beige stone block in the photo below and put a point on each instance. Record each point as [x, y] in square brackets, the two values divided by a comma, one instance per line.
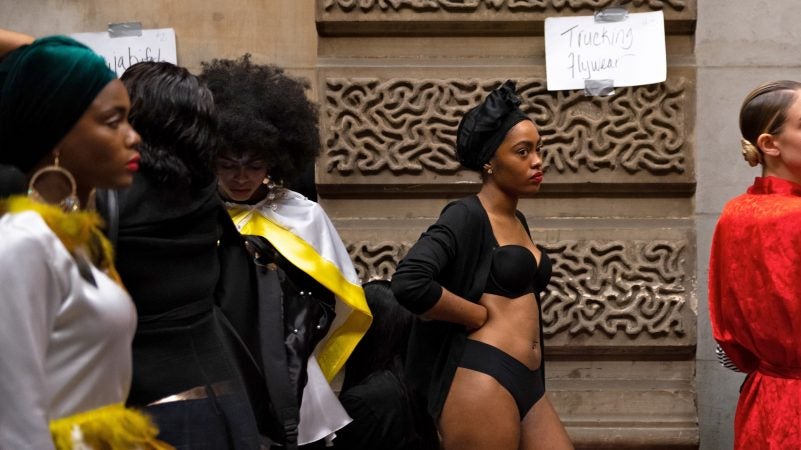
[388, 205]
[276, 31]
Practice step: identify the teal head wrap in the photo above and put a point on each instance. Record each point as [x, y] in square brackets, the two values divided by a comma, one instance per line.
[45, 87]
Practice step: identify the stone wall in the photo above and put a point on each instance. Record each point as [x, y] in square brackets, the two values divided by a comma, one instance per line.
[739, 45]
[273, 31]
[615, 213]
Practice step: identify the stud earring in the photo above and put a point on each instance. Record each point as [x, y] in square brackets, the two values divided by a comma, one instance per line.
[70, 201]
[489, 171]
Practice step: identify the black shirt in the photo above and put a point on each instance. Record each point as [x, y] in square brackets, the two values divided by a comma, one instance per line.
[167, 258]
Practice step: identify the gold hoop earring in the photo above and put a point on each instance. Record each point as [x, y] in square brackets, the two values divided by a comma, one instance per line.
[70, 201]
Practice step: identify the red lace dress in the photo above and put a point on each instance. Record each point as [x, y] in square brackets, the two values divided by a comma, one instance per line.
[755, 309]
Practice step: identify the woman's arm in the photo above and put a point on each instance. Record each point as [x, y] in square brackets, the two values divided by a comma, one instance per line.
[11, 40]
[415, 282]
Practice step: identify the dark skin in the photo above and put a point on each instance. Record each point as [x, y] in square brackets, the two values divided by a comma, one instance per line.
[99, 151]
[479, 413]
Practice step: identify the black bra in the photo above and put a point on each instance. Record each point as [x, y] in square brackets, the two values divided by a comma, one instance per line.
[514, 272]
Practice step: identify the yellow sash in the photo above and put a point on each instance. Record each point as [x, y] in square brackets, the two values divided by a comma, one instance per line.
[340, 342]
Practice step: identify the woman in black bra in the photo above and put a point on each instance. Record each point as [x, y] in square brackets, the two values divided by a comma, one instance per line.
[475, 277]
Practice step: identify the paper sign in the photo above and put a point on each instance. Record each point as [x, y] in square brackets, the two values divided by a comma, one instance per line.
[630, 52]
[122, 52]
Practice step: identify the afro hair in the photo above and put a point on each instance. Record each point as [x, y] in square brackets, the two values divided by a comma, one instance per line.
[265, 112]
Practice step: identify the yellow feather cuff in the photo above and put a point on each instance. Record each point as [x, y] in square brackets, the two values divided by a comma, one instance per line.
[79, 230]
[113, 426]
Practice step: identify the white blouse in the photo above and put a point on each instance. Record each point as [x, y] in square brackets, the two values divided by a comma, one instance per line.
[65, 344]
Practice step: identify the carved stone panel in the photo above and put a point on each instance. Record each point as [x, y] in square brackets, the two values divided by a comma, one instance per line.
[610, 287]
[484, 17]
[402, 131]
[471, 6]
[632, 293]
[377, 260]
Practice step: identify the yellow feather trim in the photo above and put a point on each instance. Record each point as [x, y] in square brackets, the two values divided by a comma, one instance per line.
[109, 427]
[79, 231]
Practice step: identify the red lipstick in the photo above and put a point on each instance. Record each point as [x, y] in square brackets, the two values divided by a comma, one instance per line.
[133, 163]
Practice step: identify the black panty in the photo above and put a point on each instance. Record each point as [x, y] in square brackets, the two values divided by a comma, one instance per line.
[525, 385]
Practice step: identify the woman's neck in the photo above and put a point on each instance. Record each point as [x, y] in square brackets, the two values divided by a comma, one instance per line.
[256, 198]
[86, 196]
[781, 171]
[496, 201]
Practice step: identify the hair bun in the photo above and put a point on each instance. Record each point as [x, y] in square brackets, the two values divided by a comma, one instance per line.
[751, 153]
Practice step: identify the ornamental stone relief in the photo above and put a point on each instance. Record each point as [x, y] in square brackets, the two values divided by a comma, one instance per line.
[401, 126]
[461, 6]
[375, 261]
[630, 287]
[609, 287]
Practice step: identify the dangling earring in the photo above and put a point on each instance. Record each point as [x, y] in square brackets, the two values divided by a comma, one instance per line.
[275, 192]
[70, 202]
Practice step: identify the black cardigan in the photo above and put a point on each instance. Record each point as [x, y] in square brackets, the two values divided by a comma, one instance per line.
[454, 253]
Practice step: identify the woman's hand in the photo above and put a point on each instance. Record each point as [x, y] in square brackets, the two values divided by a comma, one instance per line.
[11, 40]
[490, 303]
[452, 308]
[481, 318]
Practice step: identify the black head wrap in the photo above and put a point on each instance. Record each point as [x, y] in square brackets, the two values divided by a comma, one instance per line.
[484, 127]
[45, 87]
[12, 181]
